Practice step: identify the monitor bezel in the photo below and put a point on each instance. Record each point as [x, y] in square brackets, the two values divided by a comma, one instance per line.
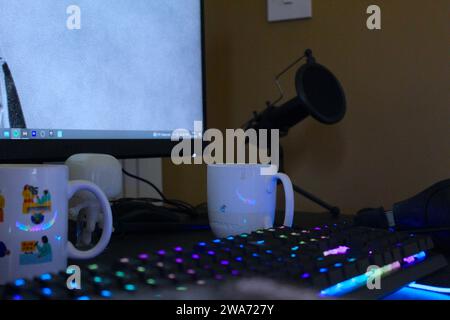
[39, 151]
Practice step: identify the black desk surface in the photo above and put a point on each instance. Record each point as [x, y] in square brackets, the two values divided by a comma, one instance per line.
[133, 244]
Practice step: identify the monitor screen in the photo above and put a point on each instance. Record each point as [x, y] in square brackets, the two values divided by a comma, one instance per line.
[99, 69]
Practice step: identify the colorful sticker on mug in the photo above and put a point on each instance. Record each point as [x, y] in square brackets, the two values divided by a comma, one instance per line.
[3, 250]
[2, 207]
[35, 204]
[36, 252]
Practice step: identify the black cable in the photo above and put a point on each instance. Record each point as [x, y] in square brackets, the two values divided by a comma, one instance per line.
[177, 205]
[145, 181]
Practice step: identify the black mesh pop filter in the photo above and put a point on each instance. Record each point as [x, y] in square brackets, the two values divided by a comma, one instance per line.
[320, 92]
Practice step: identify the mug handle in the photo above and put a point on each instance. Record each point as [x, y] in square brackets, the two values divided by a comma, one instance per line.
[289, 196]
[74, 253]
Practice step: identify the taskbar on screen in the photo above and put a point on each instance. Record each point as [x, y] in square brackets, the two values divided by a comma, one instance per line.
[48, 134]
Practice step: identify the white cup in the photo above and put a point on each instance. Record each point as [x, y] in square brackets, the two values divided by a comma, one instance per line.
[242, 200]
[34, 220]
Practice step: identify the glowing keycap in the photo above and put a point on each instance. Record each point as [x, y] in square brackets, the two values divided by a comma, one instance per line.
[47, 292]
[336, 251]
[143, 256]
[106, 294]
[130, 287]
[46, 277]
[19, 282]
[178, 260]
[120, 274]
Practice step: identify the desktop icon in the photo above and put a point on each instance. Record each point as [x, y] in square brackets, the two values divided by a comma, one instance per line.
[59, 134]
[42, 134]
[25, 134]
[6, 134]
[34, 133]
[16, 133]
[51, 133]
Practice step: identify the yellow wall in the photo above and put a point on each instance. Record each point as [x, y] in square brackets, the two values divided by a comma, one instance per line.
[395, 140]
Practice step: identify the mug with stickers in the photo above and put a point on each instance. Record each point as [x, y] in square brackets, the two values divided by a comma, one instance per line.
[34, 220]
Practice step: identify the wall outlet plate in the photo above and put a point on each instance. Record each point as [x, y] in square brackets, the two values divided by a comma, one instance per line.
[280, 10]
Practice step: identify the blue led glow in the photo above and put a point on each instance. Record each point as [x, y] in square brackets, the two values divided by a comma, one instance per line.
[17, 297]
[407, 293]
[83, 298]
[255, 255]
[345, 287]
[293, 255]
[238, 259]
[202, 244]
[19, 282]
[245, 200]
[260, 242]
[295, 248]
[241, 246]
[41, 227]
[323, 270]
[46, 277]
[230, 238]
[216, 241]
[429, 288]
[338, 265]
[130, 287]
[421, 255]
[46, 292]
[269, 251]
[349, 285]
[106, 294]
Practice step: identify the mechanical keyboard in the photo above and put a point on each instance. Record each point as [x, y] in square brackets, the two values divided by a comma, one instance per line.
[330, 261]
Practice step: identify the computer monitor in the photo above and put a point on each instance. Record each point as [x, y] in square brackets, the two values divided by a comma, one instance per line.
[101, 76]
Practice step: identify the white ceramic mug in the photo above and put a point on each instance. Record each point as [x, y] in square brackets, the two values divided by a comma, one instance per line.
[242, 200]
[34, 220]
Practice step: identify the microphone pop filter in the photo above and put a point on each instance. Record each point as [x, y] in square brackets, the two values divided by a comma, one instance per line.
[321, 93]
